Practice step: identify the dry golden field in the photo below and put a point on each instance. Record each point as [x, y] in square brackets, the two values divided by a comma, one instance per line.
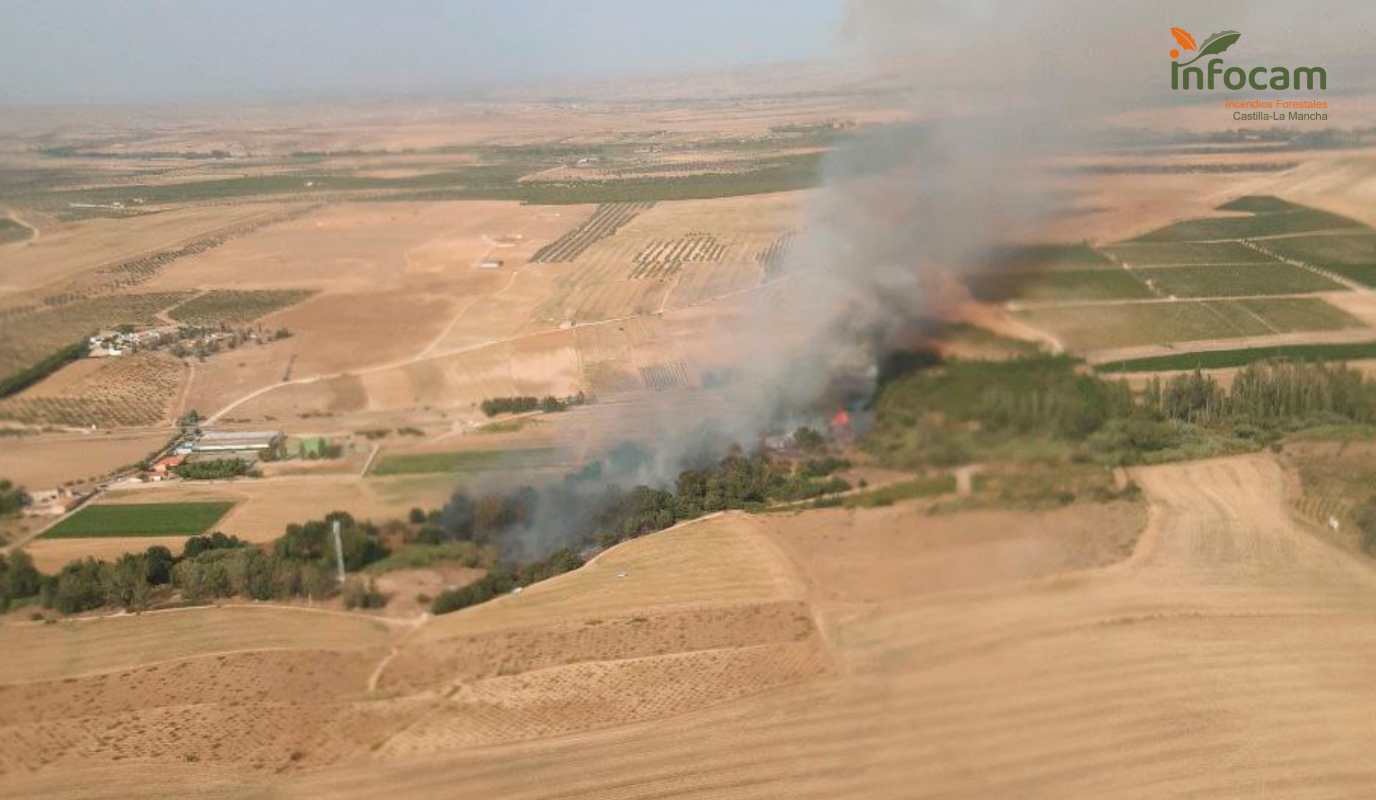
[43, 462]
[824, 654]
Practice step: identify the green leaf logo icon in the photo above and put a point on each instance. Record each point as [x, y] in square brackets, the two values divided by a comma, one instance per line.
[1215, 44]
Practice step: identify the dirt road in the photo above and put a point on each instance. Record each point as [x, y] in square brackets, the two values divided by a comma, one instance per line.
[1229, 657]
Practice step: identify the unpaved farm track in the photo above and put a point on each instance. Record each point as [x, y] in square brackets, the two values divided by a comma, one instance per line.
[1229, 657]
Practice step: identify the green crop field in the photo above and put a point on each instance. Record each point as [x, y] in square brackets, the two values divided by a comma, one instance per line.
[1223, 280]
[465, 461]
[1328, 250]
[1260, 204]
[1090, 284]
[11, 231]
[1100, 327]
[1269, 216]
[140, 519]
[1085, 328]
[1174, 253]
[1364, 274]
[1287, 314]
[1050, 257]
[1220, 359]
[235, 307]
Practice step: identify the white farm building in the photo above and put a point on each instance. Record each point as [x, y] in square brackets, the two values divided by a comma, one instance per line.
[232, 441]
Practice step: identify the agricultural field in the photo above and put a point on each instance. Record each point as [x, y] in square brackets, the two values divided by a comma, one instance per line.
[124, 275]
[139, 519]
[604, 223]
[75, 648]
[235, 307]
[1049, 258]
[465, 461]
[1224, 359]
[1352, 257]
[12, 231]
[773, 259]
[1094, 284]
[48, 460]
[73, 254]
[1267, 216]
[1328, 250]
[1236, 274]
[1364, 274]
[1091, 327]
[1139, 255]
[664, 257]
[128, 391]
[1233, 280]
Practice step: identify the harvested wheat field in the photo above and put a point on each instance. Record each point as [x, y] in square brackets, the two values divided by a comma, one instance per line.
[43, 461]
[81, 646]
[1205, 663]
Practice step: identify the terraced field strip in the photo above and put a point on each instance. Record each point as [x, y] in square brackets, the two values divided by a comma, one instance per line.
[1068, 285]
[230, 306]
[466, 461]
[1221, 359]
[1099, 326]
[140, 519]
[1139, 255]
[90, 645]
[1244, 280]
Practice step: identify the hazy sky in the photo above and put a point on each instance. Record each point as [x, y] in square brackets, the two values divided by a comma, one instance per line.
[158, 50]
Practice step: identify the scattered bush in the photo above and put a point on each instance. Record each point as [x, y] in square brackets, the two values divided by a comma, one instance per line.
[12, 498]
[18, 578]
[1366, 526]
[361, 594]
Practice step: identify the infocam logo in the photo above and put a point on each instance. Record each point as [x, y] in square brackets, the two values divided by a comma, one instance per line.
[1185, 77]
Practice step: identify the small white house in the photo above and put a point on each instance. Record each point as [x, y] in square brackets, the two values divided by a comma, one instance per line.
[490, 263]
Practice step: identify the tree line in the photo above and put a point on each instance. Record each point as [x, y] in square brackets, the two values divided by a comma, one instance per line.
[300, 563]
[954, 412]
[520, 404]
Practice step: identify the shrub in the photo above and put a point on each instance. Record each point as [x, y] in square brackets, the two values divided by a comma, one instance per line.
[196, 545]
[1366, 526]
[360, 594]
[18, 578]
[12, 498]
